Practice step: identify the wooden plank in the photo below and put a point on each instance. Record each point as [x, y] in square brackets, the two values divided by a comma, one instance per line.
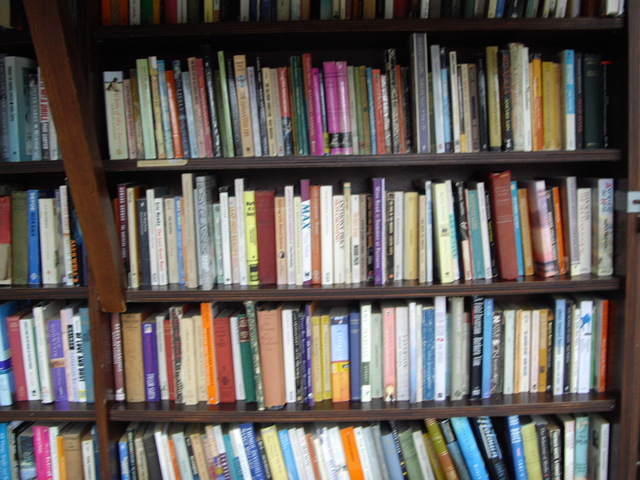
[60, 61]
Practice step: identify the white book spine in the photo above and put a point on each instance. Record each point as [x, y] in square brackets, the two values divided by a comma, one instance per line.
[203, 199]
[398, 236]
[161, 242]
[163, 379]
[602, 232]
[355, 239]
[40, 316]
[292, 433]
[255, 121]
[572, 224]
[574, 364]
[297, 239]
[338, 240]
[440, 377]
[437, 98]
[48, 241]
[226, 237]
[237, 359]
[338, 453]
[365, 351]
[66, 235]
[326, 233]
[583, 196]
[402, 353]
[240, 229]
[417, 333]
[171, 239]
[81, 386]
[153, 238]
[134, 12]
[304, 452]
[290, 234]
[240, 451]
[525, 351]
[484, 231]
[509, 350]
[305, 207]
[348, 198]
[326, 453]
[244, 10]
[287, 350]
[423, 456]
[585, 338]
[29, 358]
[54, 430]
[163, 456]
[456, 315]
[526, 92]
[363, 452]
[535, 350]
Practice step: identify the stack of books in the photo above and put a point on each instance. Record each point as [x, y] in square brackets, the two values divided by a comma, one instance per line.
[47, 352]
[552, 447]
[444, 230]
[508, 99]
[405, 351]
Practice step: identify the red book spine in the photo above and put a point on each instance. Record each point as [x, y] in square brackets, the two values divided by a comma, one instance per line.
[171, 11]
[604, 347]
[204, 108]
[224, 357]
[13, 327]
[400, 8]
[502, 209]
[314, 147]
[168, 348]
[265, 222]
[123, 12]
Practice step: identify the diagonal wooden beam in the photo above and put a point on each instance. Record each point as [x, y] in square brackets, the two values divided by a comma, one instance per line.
[59, 58]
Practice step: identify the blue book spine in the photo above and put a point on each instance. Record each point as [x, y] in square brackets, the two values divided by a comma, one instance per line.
[34, 237]
[581, 446]
[287, 453]
[372, 112]
[354, 354]
[181, 277]
[123, 453]
[253, 454]
[469, 447]
[253, 10]
[420, 91]
[559, 345]
[265, 11]
[5, 451]
[446, 103]
[517, 449]
[150, 360]
[4, 121]
[475, 235]
[232, 461]
[570, 83]
[164, 104]
[458, 460]
[56, 358]
[391, 457]
[429, 349]
[516, 227]
[453, 228]
[86, 353]
[17, 70]
[325, 9]
[500, 8]
[487, 346]
[7, 385]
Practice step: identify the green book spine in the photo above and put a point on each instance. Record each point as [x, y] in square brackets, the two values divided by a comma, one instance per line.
[300, 110]
[255, 353]
[146, 12]
[146, 109]
[225, 117]
[19, 238]
[356, 81]
[225, 132]
[247, 359]
[410, 454]
[592, 101]
[377, 356]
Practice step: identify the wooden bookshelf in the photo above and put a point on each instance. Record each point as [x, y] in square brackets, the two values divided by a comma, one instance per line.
[54, 412]
[13, 168]
[42, 292]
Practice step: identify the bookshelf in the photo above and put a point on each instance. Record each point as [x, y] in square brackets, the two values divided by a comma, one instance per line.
[75, 70]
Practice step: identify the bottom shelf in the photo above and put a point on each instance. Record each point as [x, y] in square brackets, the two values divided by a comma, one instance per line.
[67, 411]
[497, 405]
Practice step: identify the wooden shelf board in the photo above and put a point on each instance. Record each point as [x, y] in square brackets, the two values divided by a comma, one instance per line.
[42, 291]
[49, 412]
[533, 285]
[343, 161]
[9, 168]
[498, 405]
[315, 27]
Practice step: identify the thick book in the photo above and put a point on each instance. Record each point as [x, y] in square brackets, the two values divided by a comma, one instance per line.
[224, 357]
[503, 221]
[133, 352]
[266, 236]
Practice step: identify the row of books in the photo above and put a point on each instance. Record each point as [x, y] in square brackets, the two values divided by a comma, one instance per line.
[137, 12]
[32, 450]
[408, 351]
[448, 231]
[40, 238]
[46, 352]
[508, 100]
[554, 447]
[27, 131]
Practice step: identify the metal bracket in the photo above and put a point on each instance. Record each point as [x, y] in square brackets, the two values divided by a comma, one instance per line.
[628, 202]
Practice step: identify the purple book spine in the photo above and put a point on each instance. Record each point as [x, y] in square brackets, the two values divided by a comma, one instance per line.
[56, 360]
[344, 112]
[379, 257]
[331, 95]
[150, 360]
[317, 111]
[305, 331]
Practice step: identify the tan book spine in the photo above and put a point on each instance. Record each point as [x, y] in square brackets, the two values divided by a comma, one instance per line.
[132, 353]
[268, 102]
[200, 457]
[543, 367]
[466, 135]
[201, 373]
[172, 239]
[316, 256]
[157, 109]
[525, 229]
[493, 99]
[188, 370]
[189, 232]
[271, 355]
[244, 106]
[325, 362]
[73, 456]
[411, 236]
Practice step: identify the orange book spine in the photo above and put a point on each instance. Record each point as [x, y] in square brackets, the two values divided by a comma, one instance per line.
[174, 459]
[557, 215]
[62, 464]
[378, 109]
[604, 347]
[316, 259]
[173, 115]
[351, 453]
[123, 13]
[209, 356]
[537, 117]
[401, 124]
[156, 12]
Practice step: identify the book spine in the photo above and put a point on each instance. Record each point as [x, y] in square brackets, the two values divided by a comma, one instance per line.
[56, 359]
[150, 358]
[181, 110]
[33, 219]
[379, 236]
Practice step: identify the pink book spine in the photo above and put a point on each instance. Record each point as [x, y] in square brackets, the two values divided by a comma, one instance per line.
[344, 112]
[317, 119]
[389, 348]
[540, 229]
[309, 93]
[118, 362]
[42, 452]
[331, 96]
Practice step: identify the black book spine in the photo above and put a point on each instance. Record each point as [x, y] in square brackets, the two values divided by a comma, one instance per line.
[579, 79]
[297, 356]
[396, 442]
[477, 318]
[216, 141]
[446, 105]
[182, 114]
[568, 333]
[263, 458]
[490, 448]
[131, 454]
[592, 99]
[262, 113]
[143, 242]
[192, 457]
[550, 348]
[606, 107]
[406, 100]
[492, 238]
[545, 452]
[380, 9]
[505, 91]
[475, 117]
[153, 463]
[390, 68]
[233, 105]
[555, 452]
[463, 225]
[483, 107]
[551, 221]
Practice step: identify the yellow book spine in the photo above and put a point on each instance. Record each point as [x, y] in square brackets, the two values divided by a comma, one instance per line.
[493, 99]
[440, 447]
[442, 225]
[274, 453]
[62, 463]
[517, 355]
[157, 109]
[251, 233]
[531, 452]
[411, 236]
[316, 355]
[547, 104]
[525, 228]
[433, 458]
[542, 361]
[537, 116]
[325, 361]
